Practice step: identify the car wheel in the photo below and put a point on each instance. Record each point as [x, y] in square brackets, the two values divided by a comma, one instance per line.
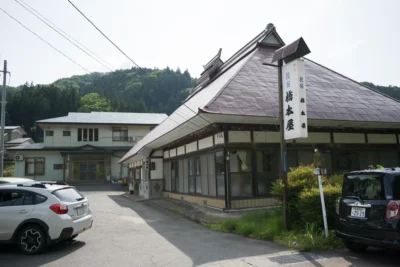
[31, 239]
[72, 238]
[355, 247]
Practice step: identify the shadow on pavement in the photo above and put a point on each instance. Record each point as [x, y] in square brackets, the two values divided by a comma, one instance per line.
[11, 256]
[205, 246]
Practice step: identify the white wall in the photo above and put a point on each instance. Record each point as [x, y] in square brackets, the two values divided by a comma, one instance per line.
[382, 139]
[105, 135]
[348, 138]
[51, 158]
[206, 142]
[116, 167]
[158, 172]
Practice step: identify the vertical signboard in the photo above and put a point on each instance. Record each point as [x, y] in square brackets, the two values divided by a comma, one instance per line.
[294, 100]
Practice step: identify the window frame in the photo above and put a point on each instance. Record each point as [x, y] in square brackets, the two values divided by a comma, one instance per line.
[49, 131]
[88, 135]
[65, 133]
[123, 134]
[34, 166]
[22, 192]
[175, 179]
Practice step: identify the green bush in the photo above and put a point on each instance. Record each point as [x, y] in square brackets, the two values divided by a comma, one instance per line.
[299, 179]
[335, 179]
[9, 170]
[309, 204]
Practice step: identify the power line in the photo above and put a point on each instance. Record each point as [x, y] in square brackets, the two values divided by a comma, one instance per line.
[57, 31]
[45, 41]
[103, 34]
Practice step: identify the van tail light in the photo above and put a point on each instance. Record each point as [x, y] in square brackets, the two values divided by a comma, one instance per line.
[59, 208]
[393, 210]
[337, 206]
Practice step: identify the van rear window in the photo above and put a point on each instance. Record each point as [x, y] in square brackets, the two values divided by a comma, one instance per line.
[68, 195]
[364, 186]
[396, 187]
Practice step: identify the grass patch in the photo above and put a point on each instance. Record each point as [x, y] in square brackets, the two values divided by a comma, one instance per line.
[310, 238]
[268, 225]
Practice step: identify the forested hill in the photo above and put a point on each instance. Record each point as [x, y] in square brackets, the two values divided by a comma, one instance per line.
[131, 90]
[393, 91]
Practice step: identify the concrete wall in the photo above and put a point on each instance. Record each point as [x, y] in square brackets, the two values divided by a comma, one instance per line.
[105, 135]
[51, 158]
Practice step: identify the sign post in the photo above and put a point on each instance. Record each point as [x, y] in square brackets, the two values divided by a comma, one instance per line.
[292, 103]
[318, 163]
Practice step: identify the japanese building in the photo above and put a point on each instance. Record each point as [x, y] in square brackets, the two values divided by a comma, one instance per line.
[221, 147]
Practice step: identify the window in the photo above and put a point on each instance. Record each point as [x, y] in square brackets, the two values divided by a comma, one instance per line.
[49, 133]
[174, 176]
[34, 166]
[120, 134]
[79, 134]
[395, 186]
[364, 186]
[58, 167]
[86, 135]
[15, 198]
[267, 171]
[220, 172]
[197, 174]
[240, 173]
[90, 135]
[66, 133]
[191, 175]
[68, 195]
[96, 135]
[40, 199]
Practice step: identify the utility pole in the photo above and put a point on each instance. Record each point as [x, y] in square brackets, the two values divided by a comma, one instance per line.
[282, 147]
[3, 117]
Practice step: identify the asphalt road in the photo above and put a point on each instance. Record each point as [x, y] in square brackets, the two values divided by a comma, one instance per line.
[127, 233]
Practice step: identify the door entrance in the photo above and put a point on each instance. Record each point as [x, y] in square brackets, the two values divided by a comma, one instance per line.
[87, 171]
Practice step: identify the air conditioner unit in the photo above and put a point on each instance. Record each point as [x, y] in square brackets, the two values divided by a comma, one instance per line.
[132, 139]
[19, 157]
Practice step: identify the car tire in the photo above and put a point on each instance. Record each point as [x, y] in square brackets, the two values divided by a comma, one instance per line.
[355, 247]
[31, 239]
[72, 238]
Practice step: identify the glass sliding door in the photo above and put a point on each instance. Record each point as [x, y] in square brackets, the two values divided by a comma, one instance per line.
[241, 173]
[267, 171]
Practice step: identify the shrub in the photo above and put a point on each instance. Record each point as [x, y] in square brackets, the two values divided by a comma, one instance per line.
[309, 204]
[9, 170]
[299, 179]
[335, 179]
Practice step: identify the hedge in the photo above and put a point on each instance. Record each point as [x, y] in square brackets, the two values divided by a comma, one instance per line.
[309, 204]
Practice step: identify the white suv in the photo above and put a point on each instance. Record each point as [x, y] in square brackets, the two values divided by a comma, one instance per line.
[33, 215]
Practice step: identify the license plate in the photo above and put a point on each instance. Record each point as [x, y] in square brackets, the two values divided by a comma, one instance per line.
[80, 211]
[358, 212]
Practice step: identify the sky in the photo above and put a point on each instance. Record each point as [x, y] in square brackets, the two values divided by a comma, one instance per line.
[357, 38]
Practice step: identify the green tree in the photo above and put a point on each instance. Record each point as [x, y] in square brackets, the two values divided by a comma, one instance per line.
[94, 102]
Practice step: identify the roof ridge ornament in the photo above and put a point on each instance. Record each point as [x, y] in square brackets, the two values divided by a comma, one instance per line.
[269, 27]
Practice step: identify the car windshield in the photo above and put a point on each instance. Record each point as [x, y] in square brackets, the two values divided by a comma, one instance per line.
[364, 186]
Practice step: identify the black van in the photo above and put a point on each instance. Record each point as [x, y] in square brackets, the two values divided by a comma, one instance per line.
[368, 212]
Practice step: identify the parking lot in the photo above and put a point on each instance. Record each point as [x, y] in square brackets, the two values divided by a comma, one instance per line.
[127, 233]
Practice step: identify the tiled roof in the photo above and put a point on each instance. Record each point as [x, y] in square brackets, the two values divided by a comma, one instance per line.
[109, 118]
[330, 96]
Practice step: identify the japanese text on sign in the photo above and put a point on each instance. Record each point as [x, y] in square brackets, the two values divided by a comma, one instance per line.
[294, 100]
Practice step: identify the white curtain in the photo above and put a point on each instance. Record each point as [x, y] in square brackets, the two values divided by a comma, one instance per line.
[242, 156]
